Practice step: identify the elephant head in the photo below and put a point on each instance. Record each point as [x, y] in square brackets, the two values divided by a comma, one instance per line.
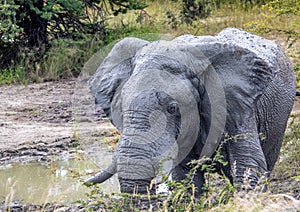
[173, 99]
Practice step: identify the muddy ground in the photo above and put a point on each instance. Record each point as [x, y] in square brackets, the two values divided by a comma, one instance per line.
[41, 120]
[38, 121]
[35, 121]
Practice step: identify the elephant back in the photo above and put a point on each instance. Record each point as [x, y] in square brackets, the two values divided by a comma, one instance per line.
[265, 49]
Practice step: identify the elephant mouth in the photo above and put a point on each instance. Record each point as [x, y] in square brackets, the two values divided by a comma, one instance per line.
[141, 186]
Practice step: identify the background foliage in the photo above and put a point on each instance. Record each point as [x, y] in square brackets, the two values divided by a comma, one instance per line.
[49, 40]
[29, 27]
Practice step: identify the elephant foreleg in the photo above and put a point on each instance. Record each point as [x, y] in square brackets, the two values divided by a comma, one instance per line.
[180, 173]
[246, 157]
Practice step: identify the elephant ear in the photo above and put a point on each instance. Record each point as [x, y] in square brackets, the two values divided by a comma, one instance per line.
[244, 74]
[111, 75]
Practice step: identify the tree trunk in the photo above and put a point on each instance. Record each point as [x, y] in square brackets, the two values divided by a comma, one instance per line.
[35, 26]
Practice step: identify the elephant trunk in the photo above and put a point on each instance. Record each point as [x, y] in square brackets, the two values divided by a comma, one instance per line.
[135, 166]
[102, 176]
[140, 186]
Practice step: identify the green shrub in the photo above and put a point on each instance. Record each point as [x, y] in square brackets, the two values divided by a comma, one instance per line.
[288, 165]
[275, 9]
[52, 20]
[11, 76]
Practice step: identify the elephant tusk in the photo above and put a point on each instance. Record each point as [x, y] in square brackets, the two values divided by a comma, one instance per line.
[102, 176]
[166, 169]
[156, 181]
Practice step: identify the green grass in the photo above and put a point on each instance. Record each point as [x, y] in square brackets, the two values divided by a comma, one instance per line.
[11, 76]
[288, 164]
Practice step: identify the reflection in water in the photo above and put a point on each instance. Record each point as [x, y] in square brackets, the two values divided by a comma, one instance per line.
[38, 183]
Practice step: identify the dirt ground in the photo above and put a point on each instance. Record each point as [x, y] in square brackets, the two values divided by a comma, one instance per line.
[37, 120]
[35, 112]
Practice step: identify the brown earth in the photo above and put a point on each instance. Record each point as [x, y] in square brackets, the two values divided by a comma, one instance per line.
[38, 120]
[35, 112]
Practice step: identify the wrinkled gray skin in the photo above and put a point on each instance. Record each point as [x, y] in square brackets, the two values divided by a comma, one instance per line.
[174, 101]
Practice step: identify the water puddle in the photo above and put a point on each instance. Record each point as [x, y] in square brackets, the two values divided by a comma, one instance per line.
[59, 181]
[56, 182]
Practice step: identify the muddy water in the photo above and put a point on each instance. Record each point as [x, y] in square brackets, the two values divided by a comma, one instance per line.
[38, 122]
[54, 182]
[58, 175]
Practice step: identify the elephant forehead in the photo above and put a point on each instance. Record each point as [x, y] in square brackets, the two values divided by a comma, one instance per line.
[177, 87]
[178, 50]
[146, 99]
[145, 82]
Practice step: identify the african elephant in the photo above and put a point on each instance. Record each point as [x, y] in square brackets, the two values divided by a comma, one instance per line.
[177, 101]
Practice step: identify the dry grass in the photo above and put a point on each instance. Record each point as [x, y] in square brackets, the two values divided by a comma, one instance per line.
[263, 202]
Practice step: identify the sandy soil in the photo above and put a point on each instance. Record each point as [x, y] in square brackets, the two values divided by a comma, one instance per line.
[41, 120]
[36, 112]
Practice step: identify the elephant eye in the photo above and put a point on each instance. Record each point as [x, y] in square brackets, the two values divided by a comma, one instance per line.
[172, 107]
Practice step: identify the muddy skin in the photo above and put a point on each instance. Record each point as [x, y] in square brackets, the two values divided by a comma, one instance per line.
[235, 84]
[23, 110]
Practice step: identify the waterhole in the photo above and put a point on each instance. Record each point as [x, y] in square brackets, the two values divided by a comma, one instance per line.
[58, 181]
